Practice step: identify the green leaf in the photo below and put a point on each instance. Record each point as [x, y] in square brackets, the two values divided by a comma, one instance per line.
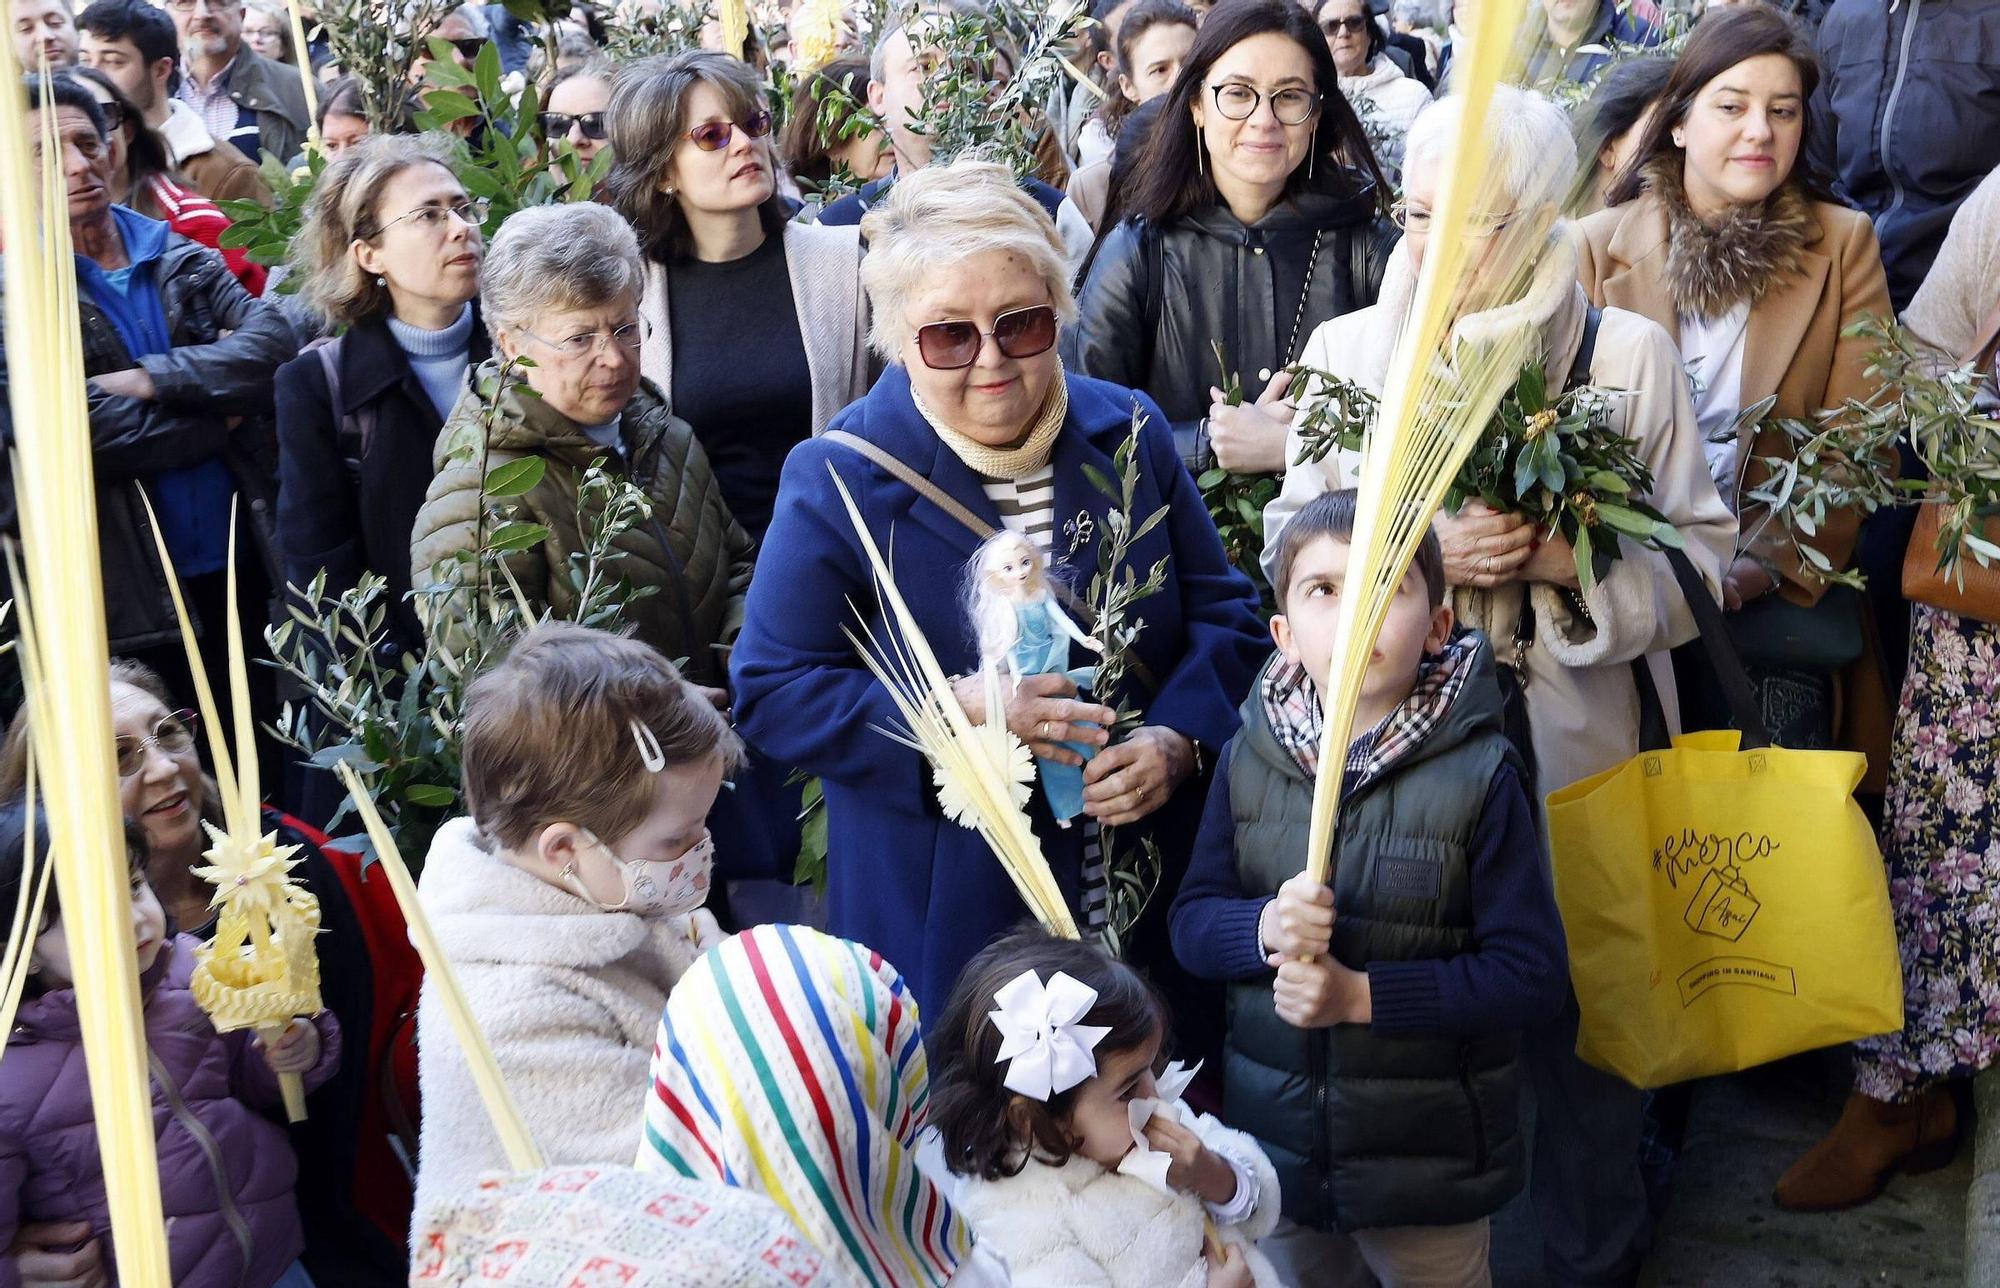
[428, 793]
[1606, 481]
[486, 73]
[510, 538]
[517, 478]
[1586, 573]
[1532, 388]
[448, 105]
[1212, 478]
[1629, 522]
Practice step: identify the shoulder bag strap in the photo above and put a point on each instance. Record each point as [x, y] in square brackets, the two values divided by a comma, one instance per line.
[1737, 690]
[1988, 340]
[979, 527]
[1586, 349]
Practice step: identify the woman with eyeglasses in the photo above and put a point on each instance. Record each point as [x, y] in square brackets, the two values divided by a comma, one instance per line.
[573, 113]
[561, 288]
[143, 179]
[975, 427]
[758, 324]
[1253, 218]
[1385, 98]
[354, 1195]
[390, 250]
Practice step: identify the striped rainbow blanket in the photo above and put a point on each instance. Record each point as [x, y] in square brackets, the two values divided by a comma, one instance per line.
[792, 1063]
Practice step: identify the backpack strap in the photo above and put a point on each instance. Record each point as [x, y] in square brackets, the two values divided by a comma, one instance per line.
[353, 431]
[972, 523]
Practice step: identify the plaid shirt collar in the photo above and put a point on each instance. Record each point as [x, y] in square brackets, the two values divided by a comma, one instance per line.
[1298, 721]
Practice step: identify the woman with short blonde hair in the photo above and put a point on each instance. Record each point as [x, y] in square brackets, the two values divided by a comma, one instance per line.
[390, 251]
[974, 427]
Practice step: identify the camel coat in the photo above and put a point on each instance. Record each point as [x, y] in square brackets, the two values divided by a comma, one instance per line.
[1583, 706]
[1794, 349]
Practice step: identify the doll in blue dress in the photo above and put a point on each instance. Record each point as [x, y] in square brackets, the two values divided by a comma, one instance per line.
[1023, 631]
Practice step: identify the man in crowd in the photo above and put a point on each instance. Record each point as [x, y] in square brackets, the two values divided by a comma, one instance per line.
[180, 360]
[244, 99]
[134, 44]
[43, 29]
[1571, 43]
[901, 62]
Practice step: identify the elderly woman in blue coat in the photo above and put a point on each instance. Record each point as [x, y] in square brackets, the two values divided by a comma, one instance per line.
[974, 428]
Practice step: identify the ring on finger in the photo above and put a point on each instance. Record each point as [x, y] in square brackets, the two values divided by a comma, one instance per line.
[1042, 730]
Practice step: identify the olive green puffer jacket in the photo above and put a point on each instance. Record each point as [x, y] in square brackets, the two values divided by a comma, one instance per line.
[691, 550]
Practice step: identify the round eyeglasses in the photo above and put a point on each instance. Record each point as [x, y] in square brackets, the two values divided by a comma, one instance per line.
[1238, 102]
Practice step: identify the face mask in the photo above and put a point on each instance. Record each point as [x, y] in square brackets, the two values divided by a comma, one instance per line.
[655, 887]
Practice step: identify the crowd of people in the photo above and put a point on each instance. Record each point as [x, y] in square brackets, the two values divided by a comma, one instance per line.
[785, 332]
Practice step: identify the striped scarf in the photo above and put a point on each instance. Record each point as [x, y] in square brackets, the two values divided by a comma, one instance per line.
[792, 1063]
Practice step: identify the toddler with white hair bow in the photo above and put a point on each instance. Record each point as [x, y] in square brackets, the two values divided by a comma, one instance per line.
[1080, 1164]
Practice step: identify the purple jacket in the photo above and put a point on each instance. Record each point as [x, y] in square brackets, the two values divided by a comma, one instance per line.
[226, 1171]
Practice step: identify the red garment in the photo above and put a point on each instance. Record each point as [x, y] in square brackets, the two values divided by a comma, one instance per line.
[198, 219]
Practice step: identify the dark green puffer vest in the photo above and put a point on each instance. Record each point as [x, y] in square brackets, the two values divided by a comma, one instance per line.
[1369, 1132]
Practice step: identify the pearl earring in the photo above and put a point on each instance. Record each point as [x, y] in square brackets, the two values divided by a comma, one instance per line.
[381, 281]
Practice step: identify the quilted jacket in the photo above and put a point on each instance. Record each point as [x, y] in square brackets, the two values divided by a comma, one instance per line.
[690, 551]
[226, 1169]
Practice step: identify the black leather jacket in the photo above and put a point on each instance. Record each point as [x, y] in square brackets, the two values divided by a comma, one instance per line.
[199, 385]
[1157, 301]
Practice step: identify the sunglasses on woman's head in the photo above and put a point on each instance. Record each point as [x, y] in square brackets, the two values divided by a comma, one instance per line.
[713, 136]
[468, 48]
[1019, 333]
[556, 125]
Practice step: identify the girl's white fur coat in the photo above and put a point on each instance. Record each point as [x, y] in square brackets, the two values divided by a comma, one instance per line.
[1080, 1226]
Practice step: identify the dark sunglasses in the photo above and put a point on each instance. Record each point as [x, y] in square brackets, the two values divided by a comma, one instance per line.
[114, 116]
[713, 136]
[469, 48]
[1353, 26]
[557, 125]
[1021, 333]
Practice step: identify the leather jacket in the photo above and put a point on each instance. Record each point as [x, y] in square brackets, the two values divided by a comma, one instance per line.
[1158, 300]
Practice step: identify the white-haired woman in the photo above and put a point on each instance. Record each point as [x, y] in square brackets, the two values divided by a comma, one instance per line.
[390, 251]
[561, 288]
[1572, 648]
[976, 426]
[759, 325]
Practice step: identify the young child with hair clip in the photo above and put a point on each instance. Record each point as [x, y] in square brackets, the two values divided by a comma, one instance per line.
[1080, 1165]
[1374, 1024]
[227, 1172]
[570, 901]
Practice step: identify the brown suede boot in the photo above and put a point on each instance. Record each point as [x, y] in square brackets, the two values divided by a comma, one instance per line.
[1871, 1142]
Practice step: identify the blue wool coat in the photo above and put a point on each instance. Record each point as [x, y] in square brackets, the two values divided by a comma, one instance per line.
[923, 891]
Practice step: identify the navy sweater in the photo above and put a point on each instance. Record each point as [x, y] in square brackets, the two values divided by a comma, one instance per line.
[1517, 974]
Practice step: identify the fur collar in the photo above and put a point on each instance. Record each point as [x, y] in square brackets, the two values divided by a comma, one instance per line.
[1713, 268]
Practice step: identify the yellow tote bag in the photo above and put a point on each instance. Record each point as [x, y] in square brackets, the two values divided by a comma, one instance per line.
[1724, 908]
[1725, 905]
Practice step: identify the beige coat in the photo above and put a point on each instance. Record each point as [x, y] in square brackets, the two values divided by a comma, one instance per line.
[1953, 308]
[825, 265]
[569, 997]
[1583, 707]
[1794, 348]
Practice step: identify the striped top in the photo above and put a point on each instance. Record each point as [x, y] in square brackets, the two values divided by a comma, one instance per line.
[792, 1063]
[1027, 505]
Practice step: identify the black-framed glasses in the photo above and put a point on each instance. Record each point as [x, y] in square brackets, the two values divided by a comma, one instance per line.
[1352, 25]
[471, 212]
[713, 136]
[468, 48]
[174, 734]
[1019, 333]
[557, 125]
[588, 344]
[114, 116]
[1237, 101]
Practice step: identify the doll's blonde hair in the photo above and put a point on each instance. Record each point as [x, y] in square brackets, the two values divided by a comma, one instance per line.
[995, 628]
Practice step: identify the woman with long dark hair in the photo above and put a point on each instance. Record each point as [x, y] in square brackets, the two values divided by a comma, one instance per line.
[1254, 218]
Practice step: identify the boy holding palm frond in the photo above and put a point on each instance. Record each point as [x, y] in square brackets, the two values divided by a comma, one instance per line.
[1378, 1065]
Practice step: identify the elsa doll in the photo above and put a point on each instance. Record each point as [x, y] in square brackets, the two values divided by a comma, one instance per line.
[1022, 631]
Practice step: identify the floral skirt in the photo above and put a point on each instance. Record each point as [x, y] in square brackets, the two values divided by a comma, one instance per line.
[1941, 843]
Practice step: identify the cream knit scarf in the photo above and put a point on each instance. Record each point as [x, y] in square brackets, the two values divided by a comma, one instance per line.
[1022, 459]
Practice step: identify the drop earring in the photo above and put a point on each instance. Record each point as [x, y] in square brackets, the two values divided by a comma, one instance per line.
[1312, 157]
[1199, 167]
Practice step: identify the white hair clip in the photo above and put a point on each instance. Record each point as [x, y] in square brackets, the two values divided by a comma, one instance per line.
[649, 748]
[1045, 1049]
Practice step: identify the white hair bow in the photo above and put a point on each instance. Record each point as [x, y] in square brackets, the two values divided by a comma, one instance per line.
[1044, 1048]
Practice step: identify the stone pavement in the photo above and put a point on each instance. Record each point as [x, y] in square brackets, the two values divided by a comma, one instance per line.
[1721, 1230]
